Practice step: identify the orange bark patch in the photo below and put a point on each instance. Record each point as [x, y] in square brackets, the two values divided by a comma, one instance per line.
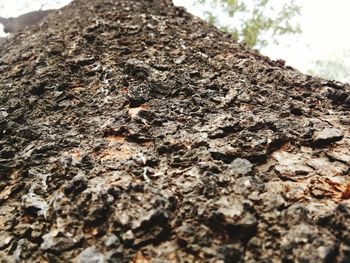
[328, 188]
[118, 154]
[76, 154]
[346, 192]
[115, 138]
[172, 257]
[140, 258]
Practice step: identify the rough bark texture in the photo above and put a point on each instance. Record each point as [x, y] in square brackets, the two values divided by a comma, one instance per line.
[133, 131]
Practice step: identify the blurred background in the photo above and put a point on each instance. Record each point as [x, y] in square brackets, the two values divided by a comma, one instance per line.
[312, 36]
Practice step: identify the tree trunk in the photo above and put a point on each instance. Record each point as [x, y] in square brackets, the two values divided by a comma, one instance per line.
[134, 131]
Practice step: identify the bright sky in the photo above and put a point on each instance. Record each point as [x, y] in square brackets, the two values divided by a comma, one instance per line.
[325, 26]
[10, 8]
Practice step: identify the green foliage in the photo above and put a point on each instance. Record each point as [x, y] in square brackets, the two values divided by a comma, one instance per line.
[255, 22]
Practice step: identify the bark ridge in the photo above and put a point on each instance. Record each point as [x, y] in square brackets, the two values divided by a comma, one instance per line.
[134, 131]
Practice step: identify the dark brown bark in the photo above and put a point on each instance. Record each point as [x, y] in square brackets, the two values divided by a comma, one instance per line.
[131, 130]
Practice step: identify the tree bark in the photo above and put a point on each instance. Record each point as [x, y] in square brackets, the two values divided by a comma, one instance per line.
[134, 131]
